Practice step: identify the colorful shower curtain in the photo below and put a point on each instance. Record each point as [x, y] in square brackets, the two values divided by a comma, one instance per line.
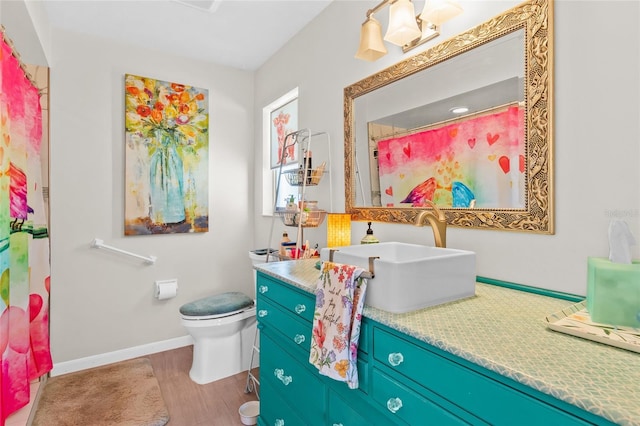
[24, 245]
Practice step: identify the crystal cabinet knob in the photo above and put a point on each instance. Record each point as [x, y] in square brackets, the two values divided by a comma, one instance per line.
[394, 404]
[396, 358]
[279, 373]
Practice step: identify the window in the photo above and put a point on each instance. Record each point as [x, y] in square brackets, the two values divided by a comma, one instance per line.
[279, 118]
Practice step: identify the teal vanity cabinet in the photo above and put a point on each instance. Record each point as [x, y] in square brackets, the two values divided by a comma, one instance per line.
[403, 380]
[292, 392]
[286, 381]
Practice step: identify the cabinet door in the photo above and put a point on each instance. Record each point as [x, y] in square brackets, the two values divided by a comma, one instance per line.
[282, 377]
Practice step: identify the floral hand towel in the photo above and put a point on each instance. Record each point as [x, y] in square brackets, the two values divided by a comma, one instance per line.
[340, 295]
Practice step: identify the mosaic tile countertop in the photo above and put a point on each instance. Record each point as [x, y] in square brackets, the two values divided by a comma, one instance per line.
[504, 330]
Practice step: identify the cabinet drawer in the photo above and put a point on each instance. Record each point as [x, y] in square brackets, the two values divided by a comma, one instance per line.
[406, 405]
[293, 381]
[488, 399]
[296, 301]
[350, 414]
[296, 331]
[275, 411]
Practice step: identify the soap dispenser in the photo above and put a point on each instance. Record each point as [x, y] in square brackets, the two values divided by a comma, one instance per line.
[369, 238]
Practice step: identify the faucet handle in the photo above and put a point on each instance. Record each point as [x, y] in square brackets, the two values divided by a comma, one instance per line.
[438, 222]
[435, 208]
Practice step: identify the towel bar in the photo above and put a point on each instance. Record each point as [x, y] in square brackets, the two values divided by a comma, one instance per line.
[98, 243]
[366, 274]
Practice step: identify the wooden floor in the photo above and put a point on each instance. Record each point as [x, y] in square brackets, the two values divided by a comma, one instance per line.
[190, 404]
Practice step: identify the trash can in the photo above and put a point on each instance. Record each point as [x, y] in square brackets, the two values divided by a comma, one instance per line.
[259, 256]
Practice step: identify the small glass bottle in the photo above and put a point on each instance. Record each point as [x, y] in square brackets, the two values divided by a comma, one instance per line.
[307, 166]
[291, 203]
[369, 238]
[283, 248]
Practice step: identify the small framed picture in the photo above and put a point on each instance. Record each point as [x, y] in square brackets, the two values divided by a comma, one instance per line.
[283, 120]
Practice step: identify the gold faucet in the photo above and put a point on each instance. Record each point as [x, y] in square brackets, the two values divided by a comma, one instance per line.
[438, 222]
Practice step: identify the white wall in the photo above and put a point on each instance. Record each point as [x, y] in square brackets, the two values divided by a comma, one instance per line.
[103, 302]
[597, 150]
[16, 17]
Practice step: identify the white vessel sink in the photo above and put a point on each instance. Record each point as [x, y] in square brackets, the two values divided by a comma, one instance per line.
[411, 276]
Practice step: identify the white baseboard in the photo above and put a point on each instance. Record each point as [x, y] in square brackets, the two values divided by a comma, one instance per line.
[121, 355]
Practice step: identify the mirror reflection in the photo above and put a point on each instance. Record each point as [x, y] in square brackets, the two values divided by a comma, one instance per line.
[464, 125]
[452, 141]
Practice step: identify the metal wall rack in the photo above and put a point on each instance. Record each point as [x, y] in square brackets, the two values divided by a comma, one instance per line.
[302, 178]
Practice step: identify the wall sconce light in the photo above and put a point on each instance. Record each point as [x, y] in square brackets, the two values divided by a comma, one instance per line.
[405, 29]
[338, 229]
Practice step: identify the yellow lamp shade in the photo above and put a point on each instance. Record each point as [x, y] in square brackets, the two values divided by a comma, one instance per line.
[440, 11]
[338, 229]
[371, 43]
[403, 27]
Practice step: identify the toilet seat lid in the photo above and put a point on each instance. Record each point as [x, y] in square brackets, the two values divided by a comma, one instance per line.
[219, 305]
[241, 314]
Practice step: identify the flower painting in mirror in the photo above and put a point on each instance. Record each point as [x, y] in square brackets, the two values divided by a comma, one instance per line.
[167, 156]
[475, 161]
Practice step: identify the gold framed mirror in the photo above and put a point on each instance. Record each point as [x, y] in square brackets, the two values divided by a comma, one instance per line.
[505, 63]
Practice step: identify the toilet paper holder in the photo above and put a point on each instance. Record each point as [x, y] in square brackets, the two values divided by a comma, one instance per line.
[166, 289]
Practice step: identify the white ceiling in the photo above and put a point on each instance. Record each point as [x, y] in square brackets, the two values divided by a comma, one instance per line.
[238, 33]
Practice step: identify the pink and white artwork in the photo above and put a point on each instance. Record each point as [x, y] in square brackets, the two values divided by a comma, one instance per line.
[475, 162]
[284, 120]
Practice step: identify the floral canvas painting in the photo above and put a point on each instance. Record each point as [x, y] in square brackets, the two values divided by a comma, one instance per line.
[167, 157]
[475, 162]
[284, 120]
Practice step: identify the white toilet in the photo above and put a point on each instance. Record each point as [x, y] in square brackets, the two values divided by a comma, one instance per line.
[216, 323]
